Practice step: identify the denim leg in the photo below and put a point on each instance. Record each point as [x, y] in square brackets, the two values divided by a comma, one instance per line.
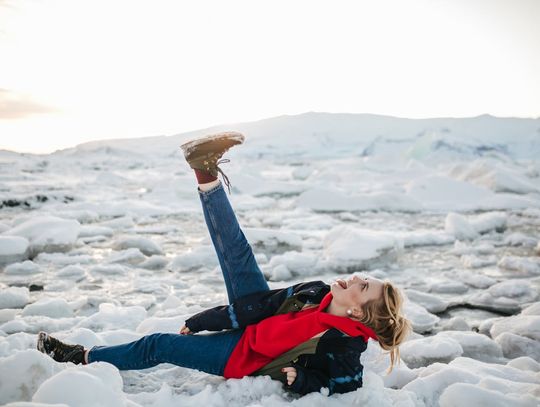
[207, 353]
[238, 265]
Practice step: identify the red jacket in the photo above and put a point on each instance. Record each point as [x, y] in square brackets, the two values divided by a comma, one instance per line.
[263, 342]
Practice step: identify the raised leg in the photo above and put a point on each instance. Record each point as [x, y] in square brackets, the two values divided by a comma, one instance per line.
[207, 353]
[238, 265]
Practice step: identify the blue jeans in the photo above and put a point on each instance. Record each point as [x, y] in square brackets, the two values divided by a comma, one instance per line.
[208, 353]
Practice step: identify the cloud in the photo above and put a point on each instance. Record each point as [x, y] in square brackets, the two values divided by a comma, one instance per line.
[16, 106]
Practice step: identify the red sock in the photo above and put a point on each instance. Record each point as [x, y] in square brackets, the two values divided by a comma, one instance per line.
[204, 177]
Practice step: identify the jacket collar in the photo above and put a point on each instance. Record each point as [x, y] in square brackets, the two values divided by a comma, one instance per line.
[344, 324]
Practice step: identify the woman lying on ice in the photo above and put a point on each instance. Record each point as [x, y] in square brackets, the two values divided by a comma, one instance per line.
[308, 336]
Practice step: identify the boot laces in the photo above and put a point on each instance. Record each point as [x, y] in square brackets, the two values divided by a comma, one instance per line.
[62, 351]
[225, 178]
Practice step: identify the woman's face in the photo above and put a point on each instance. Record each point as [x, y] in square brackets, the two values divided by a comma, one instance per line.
[356, 291]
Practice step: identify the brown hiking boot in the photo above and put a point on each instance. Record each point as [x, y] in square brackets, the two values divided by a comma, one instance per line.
[60, 351]
[205, 153]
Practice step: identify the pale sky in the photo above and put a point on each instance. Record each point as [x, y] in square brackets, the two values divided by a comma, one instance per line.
[73, 71]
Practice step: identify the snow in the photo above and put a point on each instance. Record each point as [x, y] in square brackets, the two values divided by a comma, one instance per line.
[346, 249]
[130, 256]
[425, 351]
[456, 324]
[458, 226]
[284, 266]
[108, 243]
[14, 297]
[50, 307]
[110, 316]
[460, 394]
[197, 258]
[86, 386]
[430, 302]
[23, 373]
[271, 238]
[333, 199]
[476, 345]
[13, 248]
[26, 267]
[422, 320]
[514, 346]
[94, 230]
[524, 325]
[525, 266]
[146, 246]
[47, 233]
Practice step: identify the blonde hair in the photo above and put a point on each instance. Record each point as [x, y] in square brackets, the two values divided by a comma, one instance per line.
[385, 317]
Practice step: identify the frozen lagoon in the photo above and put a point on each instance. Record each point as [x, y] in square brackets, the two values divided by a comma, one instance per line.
[102, 244]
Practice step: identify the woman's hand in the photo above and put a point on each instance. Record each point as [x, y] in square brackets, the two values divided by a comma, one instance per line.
[185, 331]
[291, 374]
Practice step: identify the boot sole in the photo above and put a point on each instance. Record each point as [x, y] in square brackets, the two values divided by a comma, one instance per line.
[42, 337]
[229, 135]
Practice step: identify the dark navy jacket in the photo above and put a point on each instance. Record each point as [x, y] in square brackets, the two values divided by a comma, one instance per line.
[334, 359]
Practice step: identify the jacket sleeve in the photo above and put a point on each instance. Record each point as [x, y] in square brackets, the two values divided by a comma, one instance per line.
[246, 310]
[344, 374]
[308, 380]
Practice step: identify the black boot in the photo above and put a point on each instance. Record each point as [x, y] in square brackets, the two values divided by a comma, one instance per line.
[60, 351]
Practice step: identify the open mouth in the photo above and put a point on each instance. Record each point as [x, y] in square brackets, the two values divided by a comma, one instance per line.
[342, 283]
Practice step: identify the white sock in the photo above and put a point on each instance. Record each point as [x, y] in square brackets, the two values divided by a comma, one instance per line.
[209, 185]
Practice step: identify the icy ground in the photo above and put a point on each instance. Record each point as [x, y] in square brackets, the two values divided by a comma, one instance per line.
[106, 242]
